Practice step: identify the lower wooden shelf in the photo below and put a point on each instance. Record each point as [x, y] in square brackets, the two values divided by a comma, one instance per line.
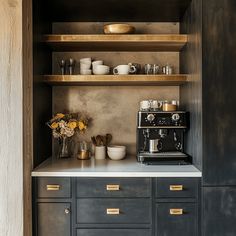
[160, 80]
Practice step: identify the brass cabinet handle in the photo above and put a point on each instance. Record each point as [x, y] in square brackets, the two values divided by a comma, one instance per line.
[176, 187]
[67, 211]
[113, 211]
[176, 211]
[113, 187]
[53, 187]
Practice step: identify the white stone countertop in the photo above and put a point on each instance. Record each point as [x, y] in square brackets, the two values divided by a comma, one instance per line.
[128, 167]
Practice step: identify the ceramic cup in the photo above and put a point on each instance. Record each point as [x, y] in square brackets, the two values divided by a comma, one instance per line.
[101, 70]
[124, 70]
[100, 152]
[144, 105]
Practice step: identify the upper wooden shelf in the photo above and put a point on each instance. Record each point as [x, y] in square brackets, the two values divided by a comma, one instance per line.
[128, 42]
[161, 80]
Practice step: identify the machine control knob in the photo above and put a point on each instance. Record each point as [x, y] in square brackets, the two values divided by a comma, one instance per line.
[175, 117]
[150, 117]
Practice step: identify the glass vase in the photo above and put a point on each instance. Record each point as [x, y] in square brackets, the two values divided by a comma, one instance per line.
[63, 151]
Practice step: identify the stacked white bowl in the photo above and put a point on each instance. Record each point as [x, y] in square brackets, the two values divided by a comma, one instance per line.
[85, 66]
[97, 67]
[116, 152]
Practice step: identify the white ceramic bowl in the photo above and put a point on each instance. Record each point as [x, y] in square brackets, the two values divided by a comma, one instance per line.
[95, 63]
[87, 60]
[101, 70]
[85, 72]
[116, 155]
[84, 66]
[116, 148]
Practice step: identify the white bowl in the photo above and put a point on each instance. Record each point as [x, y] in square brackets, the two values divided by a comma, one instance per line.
[87, 60]
[84, 66]
[85, 72]
[116, 155]
[116, 148]
[101, 70]
[95, 63]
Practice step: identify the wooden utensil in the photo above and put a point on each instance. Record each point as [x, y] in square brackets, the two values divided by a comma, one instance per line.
[108, 139]
[94, 140]
[99, 140]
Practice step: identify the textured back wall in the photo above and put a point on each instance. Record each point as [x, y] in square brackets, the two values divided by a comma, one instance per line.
[113, 109]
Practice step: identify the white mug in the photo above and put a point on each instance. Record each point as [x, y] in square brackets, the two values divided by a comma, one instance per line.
[144, 105]
[124, 70]
[100, 152]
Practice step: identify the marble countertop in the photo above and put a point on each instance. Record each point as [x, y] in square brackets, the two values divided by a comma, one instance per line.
[128, 167]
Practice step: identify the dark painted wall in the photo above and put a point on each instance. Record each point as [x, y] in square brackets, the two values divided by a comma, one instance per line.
[219, 92]
[42, 94]
[191, 93]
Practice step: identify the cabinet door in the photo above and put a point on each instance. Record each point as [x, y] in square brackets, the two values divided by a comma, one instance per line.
[219, 214]
[175, 219]
[54, 219]
[219, 96]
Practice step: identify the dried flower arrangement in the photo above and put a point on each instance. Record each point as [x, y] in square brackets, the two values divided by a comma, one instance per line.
[65, 126]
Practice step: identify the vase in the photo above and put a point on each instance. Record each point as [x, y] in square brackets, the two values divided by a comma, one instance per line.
[63, 149]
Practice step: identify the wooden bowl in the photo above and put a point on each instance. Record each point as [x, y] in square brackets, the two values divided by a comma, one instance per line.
[118, 29]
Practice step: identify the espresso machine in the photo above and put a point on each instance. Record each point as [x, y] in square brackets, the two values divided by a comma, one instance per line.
[160, 137]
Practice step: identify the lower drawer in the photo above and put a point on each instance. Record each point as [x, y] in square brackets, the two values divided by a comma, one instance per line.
[108, 211]
[174, 219]
[113, 232]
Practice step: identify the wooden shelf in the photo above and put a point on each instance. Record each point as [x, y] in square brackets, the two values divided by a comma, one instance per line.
[161, 80]
[128, 42]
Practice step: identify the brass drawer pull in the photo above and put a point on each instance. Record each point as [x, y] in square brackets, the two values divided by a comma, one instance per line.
[113, 211]
[176, 212]
[113, 187]
[176, 187]
[53, 187]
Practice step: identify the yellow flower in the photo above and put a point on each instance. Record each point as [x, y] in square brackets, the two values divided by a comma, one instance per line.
[54, 125]
[72, 125]
[59, 116]
[81, 125]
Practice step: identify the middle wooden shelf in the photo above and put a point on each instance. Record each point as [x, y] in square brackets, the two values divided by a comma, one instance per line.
[160, 80]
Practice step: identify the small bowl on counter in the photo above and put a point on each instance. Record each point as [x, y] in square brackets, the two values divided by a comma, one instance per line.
[118, 29]
[116, 152]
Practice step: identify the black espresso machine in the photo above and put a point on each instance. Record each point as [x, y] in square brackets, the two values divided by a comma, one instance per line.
[160, 137]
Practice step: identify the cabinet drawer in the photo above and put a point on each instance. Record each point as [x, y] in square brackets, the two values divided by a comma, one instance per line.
[176, 187]
[174, 219]
[113, 232]
[98, 211]
[52, 187]
[114, 187]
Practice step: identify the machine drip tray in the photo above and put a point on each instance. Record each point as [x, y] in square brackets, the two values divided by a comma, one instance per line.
[164, 158]
[163, 154]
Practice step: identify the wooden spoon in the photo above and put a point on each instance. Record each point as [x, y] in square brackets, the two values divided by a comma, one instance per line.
[94, 140]
[99, 140]
[108, 139]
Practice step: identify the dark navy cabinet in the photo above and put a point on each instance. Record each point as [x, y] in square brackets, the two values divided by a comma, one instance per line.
[116, 206]
[53, 219]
